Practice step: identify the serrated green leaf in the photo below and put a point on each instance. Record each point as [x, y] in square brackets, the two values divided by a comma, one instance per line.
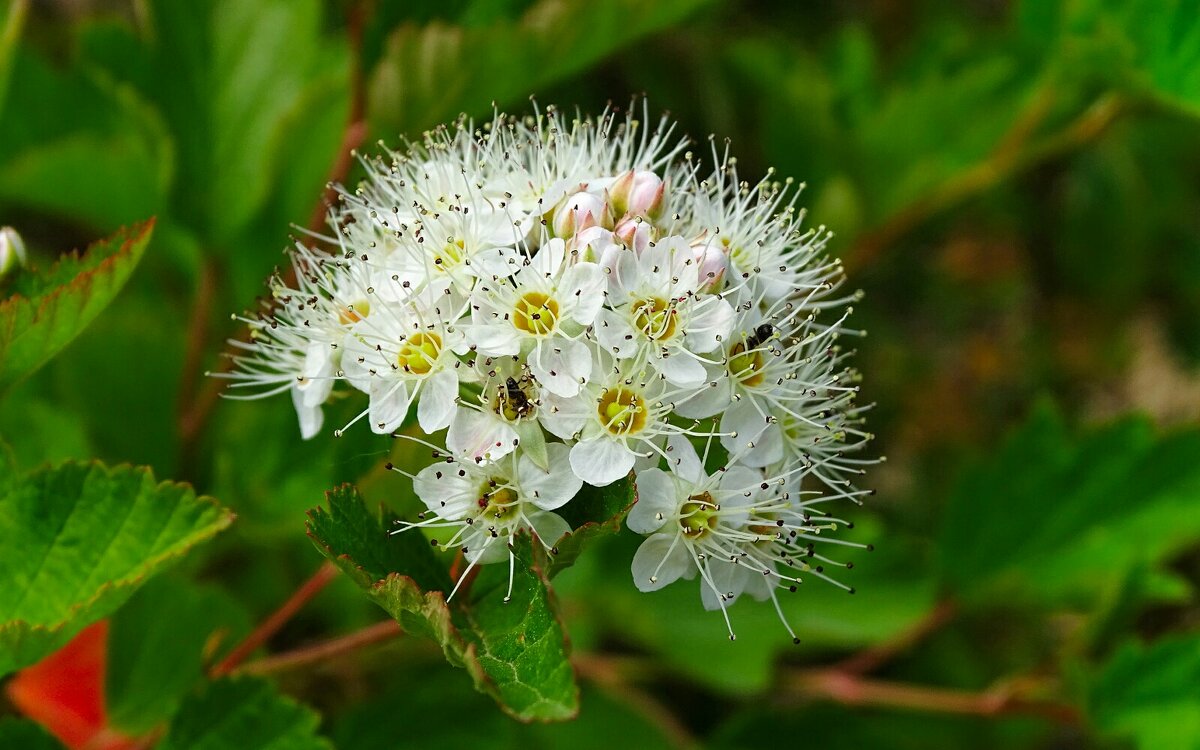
[18, 733]
[243, 714]
[428, 74]
[1056, 517]
[79, 540]
[515, 651]
[157, 648]
[1149, 693]
[49, 310]
[594, 513]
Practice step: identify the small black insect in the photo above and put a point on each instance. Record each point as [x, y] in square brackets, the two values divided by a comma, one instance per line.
[760, 336]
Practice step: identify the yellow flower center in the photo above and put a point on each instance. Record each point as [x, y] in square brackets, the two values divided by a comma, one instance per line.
[622, 411]
[512, 401]
[499, 504]
[655, 317]
[450, 256]
[419, 352]
[536, 313]
[745, 366]
[698, 516]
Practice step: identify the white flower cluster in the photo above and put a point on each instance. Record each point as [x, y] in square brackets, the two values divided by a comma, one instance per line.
[572, 300]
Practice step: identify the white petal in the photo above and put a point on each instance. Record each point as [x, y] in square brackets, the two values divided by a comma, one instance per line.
[582, 292]
[708, 399]
[479, 435]
[660, 560]
[600, 462]
[564, 416]
[561, 365]
[311, 417]
[743, 418]
[437, 401]
[549, 489]
[548, 259]
[681, 370]
[657, 502]
[709, 325]
[730, 580]
[389, 405]
[768, 448]
[445, 492]
[550, 527]
[684, 461]
[615, 333]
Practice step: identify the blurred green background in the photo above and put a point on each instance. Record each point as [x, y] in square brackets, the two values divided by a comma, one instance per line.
[1015, 186]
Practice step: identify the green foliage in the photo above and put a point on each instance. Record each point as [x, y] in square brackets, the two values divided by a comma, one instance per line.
[158, 646]
[243, 714]
[1149, 693]
[47, 310]
[25, 735]
[428, 74]
[80, 538]
[514, 647]
[1052, 517]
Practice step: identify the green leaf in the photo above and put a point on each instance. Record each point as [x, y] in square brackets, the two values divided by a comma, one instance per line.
[243, 714]
[1149, 693]
[1057, 517]
[594, 513]
[82, 145]
[18, 733]
[48, 310]
[157, 648]
[231, 79]
[79, 540]
[515, 651]
[428, 74]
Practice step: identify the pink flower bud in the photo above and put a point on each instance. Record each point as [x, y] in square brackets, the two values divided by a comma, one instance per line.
[633, 233]
[579, 212]
[712, 257]
[638, 193]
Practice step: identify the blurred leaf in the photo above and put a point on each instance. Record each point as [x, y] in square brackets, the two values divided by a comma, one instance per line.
[429, 74]
[79, 539]
[41, 431]
[228, 77]
[243, 714]
[48, 310]
[891, 596]
[399, 718]
[157, 648]
[1149, 693]
[10, 34]
[1051, 516]
[25, 735]
[82, 145]
[514, 650]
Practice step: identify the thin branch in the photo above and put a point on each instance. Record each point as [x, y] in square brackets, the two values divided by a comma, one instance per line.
[1005, 161]
[853, 690]
[610, 677]
[870, 659]
[317, 652]
[277, 620]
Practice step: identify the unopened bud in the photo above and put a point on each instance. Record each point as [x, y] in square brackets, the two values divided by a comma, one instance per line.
[579, 212]
[12, 252]
[712, 258]
[633, 233]
[638, 193]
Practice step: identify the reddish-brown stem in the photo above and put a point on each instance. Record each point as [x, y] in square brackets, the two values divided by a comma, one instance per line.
[277, 620]
[870, 659]
[854, 690]
[383, 631]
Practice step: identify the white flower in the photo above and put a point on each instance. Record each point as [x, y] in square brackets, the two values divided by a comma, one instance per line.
[657, 315]
[405, 355]
[503, 415]
[540, 307]
[487, 503]
[12, 251]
